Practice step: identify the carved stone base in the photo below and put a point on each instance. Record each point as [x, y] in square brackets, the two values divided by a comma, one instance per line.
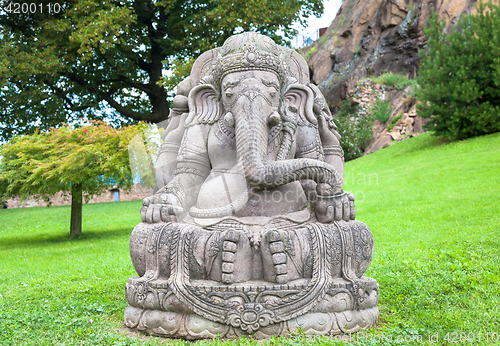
[194, 327]
[155, 309]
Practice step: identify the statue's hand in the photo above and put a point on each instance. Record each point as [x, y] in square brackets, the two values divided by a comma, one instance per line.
[160, 207]
[335, 207]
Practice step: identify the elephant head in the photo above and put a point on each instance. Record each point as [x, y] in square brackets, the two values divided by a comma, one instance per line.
[256, 86]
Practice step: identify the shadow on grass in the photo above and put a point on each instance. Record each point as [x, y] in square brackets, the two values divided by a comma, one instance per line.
[44, 239]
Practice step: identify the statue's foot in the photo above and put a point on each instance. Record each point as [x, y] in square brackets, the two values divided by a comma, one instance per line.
[235, 257]
[273, 241]
[230, 241]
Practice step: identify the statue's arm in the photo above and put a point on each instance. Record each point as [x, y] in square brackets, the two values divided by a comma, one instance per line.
[340, 206]
[174, 200]
[332, 151]
[308, 146]
[322, 143]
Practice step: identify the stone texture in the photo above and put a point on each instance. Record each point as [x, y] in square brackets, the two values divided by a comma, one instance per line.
[193, 327]
[368, 37]
[251, 232]
[382, 142]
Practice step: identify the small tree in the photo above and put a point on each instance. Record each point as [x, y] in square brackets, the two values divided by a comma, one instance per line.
[82, 162]
[460, 75]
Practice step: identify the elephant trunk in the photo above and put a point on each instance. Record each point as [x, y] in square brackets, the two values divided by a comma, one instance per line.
[251, 112]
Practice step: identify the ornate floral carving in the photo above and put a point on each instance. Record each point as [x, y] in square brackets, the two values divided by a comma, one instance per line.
[250, 317]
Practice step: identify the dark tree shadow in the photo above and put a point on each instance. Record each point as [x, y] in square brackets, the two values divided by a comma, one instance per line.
[44, 239]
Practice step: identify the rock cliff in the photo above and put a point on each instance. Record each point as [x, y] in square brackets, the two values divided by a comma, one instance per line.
[368, 38]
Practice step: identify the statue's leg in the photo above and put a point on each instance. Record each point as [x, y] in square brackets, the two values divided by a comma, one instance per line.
[349, 248]
[149, 249]
[228, 257]
[205, 248]
[301, 257]
[274, 259]
[286, 254]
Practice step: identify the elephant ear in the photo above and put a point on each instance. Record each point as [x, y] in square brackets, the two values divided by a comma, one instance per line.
[299, 101]
[204, 106]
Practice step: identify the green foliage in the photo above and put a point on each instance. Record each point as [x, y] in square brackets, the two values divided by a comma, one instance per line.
[395, 80]
[381, 110]
[180, 68]
[44, 164]
[90, 159]
[56, 292]
[394, 121]
[309, 52]
[355, 129]
[436, 233]
[460, 75]
[97, 57]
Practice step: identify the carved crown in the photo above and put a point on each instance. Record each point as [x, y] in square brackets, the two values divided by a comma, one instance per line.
[249, 51]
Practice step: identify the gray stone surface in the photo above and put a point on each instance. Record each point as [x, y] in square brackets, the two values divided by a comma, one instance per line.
[251, 232]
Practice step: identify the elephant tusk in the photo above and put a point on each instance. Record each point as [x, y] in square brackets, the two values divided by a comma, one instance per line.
[273, 119]
[229, 119]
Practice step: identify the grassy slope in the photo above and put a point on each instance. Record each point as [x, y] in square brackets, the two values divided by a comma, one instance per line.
[434, 211]
[435, 214]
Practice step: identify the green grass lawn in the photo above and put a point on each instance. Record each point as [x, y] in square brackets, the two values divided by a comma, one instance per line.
[433, 209]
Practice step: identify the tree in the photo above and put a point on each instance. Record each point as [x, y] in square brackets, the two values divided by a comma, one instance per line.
[460, 75]
[82, 162]
[82, 58]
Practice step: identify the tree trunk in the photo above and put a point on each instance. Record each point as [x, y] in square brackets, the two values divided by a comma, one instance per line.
[76, 211]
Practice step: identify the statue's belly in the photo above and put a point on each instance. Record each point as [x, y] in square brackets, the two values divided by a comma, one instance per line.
[222, 194]
[226, 194]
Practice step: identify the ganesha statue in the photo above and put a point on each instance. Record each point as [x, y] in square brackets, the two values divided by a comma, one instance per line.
[250, 232]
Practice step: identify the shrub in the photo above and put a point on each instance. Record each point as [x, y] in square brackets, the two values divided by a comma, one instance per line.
[309, 52]
[381, 110]
[355, 129]
[394, 121]
[460, 76]
[395, 80]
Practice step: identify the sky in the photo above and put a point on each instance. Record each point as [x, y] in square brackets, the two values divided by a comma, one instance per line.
[313, 23]
[331, 8]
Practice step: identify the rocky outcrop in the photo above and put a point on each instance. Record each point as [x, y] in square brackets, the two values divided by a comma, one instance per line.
[403, 121]
[369, 37]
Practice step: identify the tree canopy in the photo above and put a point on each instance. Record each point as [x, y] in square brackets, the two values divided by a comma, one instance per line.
[82, 162]
[460, 75]
[102, 59]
